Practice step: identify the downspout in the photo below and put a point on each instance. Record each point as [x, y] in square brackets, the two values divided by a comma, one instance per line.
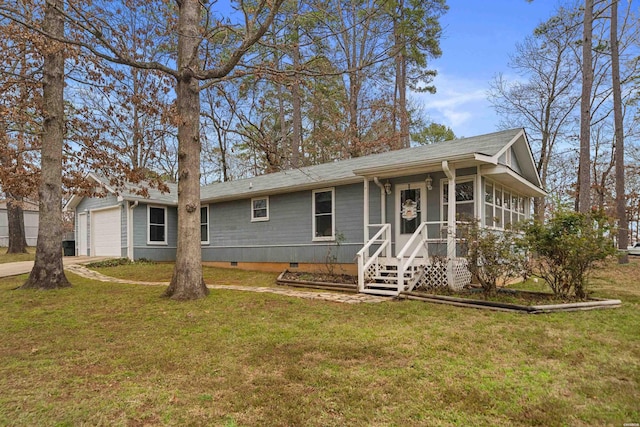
[383, 200]
[479, 197]
[365, 187]
[130, 209]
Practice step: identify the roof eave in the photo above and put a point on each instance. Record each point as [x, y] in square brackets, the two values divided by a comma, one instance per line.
[510, 178]
[283, 190]
[416, 166]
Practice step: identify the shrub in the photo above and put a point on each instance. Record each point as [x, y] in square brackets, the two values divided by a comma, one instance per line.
[567, 247]
[114, 262]
[493, 255]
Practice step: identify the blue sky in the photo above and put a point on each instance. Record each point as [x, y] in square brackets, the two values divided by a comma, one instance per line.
[479, 36]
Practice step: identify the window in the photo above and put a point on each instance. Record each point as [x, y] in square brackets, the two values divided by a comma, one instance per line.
[464, 199]
[260, 209]
[204, 224]
[504, 208]
[323, 214]
[157, 218]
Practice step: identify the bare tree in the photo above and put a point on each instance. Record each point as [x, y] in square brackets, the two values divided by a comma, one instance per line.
[48, 271]
[545, 103]
[584, 175]
[621, 208]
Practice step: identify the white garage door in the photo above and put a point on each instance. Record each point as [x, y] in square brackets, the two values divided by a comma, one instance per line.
[105, 232]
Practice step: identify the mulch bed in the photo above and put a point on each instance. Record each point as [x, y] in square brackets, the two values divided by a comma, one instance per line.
[510, 300]
[320, 277]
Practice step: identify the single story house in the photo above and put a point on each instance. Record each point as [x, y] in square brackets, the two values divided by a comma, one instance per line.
[31, 219]
[387, 216]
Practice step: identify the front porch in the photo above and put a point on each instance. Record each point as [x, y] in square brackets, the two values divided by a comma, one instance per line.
[413, 241]
[420, 264]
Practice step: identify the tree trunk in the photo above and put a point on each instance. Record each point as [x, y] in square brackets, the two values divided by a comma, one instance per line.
[584, 177]
[15, 222]
[621, 206]
[354, 90]
[187, 282]
[48, 271]
[296, 134]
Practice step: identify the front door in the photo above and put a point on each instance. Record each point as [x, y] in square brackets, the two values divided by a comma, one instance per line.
[410, 211]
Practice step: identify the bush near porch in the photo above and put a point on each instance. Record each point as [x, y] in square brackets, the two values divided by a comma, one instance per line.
[111, 354]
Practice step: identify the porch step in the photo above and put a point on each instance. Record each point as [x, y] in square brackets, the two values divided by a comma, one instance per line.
[382, 292]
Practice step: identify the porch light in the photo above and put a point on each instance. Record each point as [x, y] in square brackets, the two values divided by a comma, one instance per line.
[429, 181]
[387, 187]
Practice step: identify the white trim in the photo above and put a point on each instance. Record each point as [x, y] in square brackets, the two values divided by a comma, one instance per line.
[130, 207]
[501, 223]
[457, 180]
[315, 238]
[82, 234]
[494, 171]
[205, 242]
[509, 144]
[91, 244]
[397, 209]
[166, 226]
[259, 219]
[508, 156]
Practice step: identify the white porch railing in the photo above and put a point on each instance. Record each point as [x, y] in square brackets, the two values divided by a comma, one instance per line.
[367, 261]
[416, 264]
[419, 241]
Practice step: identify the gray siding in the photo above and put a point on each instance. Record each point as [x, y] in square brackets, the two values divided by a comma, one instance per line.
[287, 235]
[30, 227]
[140, 226]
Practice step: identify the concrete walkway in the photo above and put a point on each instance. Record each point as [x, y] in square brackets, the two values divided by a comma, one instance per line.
[16, 268]
[81, 270]
[74, 265]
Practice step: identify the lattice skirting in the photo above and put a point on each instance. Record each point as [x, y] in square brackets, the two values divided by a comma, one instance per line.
[435, 275]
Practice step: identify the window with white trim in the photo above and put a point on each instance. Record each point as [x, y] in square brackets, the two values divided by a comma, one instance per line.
[323, 208]
[157, 229]
[465, 198]
[503, 206]
[204, 224]
[260, 209]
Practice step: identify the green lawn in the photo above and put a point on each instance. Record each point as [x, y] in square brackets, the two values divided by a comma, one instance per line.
[109, 354]
[5, 257]
[162, 272]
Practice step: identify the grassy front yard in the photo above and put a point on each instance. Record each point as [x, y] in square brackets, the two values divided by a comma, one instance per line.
[5, 257]
[109, 354]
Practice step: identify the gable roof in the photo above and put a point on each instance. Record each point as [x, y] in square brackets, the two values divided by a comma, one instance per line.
[482, 149]
[128, 192]
[423, 159]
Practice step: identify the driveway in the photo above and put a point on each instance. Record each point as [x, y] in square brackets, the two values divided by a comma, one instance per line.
[22, 267]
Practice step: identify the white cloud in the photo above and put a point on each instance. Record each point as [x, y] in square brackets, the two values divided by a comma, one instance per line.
[461, 103]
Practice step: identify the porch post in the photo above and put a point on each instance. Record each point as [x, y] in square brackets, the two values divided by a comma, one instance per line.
[479, 204]
[450, 172]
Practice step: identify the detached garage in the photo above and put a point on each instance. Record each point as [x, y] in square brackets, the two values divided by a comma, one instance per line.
[105, 232]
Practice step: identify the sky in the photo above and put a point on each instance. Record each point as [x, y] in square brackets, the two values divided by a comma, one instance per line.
[478, 37]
